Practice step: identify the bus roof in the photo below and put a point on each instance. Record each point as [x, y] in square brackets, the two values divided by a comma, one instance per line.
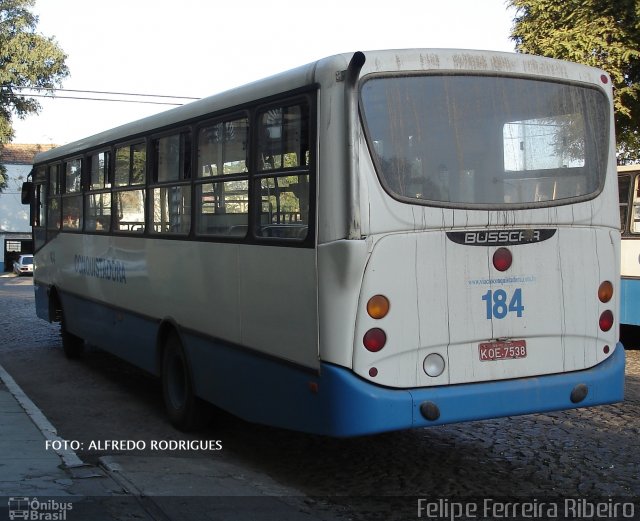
[282, 82]
[383, 60]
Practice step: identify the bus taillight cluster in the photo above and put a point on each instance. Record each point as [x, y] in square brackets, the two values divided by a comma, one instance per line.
[605, 293]
[377, 308]
[375, 338]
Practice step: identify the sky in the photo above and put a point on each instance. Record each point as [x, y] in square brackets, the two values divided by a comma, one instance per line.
[197, 48]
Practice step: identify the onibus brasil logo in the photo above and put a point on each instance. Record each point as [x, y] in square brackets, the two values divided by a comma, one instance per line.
[38, 510]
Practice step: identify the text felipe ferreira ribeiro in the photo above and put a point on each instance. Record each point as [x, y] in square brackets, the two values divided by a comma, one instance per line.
[525, 509]
[126, 445]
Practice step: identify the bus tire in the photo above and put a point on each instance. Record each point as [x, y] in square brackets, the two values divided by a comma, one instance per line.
[183, 408]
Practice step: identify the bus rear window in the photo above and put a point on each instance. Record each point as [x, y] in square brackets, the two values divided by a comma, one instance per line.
[479, 140]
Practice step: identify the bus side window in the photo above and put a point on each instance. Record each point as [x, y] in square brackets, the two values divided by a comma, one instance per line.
[635, 207]
[624, 182]
[283, 176]
[129, 195]
[171, 212]
[72, 214]
[39, 210]
[129, 210]
[222, 184]
[53, 201]
[98, 200]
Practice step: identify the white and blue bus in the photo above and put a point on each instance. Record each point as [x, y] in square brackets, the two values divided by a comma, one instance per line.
[629, 188]
[370, 242]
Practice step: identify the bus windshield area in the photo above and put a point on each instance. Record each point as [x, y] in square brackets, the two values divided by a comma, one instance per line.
[486, 140]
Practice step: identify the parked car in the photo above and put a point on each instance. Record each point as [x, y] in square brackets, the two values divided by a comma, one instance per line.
[24, 265]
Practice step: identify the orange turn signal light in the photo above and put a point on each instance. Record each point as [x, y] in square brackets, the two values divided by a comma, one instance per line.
[378, 306]
[605, 291]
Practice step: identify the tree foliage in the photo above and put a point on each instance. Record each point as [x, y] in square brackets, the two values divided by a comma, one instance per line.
[600, 33]
[27, 60]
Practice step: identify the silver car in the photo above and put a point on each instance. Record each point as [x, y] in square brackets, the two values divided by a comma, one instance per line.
[24, 265]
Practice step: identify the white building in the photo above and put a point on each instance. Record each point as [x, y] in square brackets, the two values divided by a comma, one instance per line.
[15, 229]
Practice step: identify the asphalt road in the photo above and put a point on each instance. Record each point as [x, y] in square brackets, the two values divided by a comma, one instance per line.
[590, 454]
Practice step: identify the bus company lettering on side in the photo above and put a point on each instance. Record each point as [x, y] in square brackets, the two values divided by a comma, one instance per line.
[106, 269]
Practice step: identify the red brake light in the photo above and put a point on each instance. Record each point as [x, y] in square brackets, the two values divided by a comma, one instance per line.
[374, 339]
[606, 320]
[502, 259]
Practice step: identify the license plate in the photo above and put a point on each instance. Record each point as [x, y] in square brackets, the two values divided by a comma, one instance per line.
[502, 350]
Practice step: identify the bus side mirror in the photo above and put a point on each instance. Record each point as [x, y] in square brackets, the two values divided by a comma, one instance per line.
[27, 192]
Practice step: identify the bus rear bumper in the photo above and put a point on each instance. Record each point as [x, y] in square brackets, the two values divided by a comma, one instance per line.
[359, 407]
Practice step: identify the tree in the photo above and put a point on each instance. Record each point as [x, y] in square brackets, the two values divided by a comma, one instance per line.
[600, 33]
[27, 60]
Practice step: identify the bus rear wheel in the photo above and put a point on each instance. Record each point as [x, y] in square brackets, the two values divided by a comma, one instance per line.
[184, 409]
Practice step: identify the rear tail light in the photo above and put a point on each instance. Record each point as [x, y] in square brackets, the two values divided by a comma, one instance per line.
[374, 339]
[606, 320]
[605, 291]
[502, 259]
[378, 306]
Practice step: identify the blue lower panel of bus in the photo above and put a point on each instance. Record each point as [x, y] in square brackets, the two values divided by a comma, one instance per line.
[336, 402]
[630, 302]
[129, 336]
[332, 401]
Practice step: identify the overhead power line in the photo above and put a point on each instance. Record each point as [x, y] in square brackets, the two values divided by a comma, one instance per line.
[102, 99]
[122, 93]
[107, 93]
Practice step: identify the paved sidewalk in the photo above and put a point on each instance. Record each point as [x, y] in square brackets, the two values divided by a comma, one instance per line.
[26, 467]
[38, 472]
[34, 476]
[29, 463]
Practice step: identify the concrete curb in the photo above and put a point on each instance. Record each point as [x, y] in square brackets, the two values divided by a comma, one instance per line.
[68, 456]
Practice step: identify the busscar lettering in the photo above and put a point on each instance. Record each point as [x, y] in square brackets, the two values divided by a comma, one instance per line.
[501, 237]
[100, 268]
[495, 237]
